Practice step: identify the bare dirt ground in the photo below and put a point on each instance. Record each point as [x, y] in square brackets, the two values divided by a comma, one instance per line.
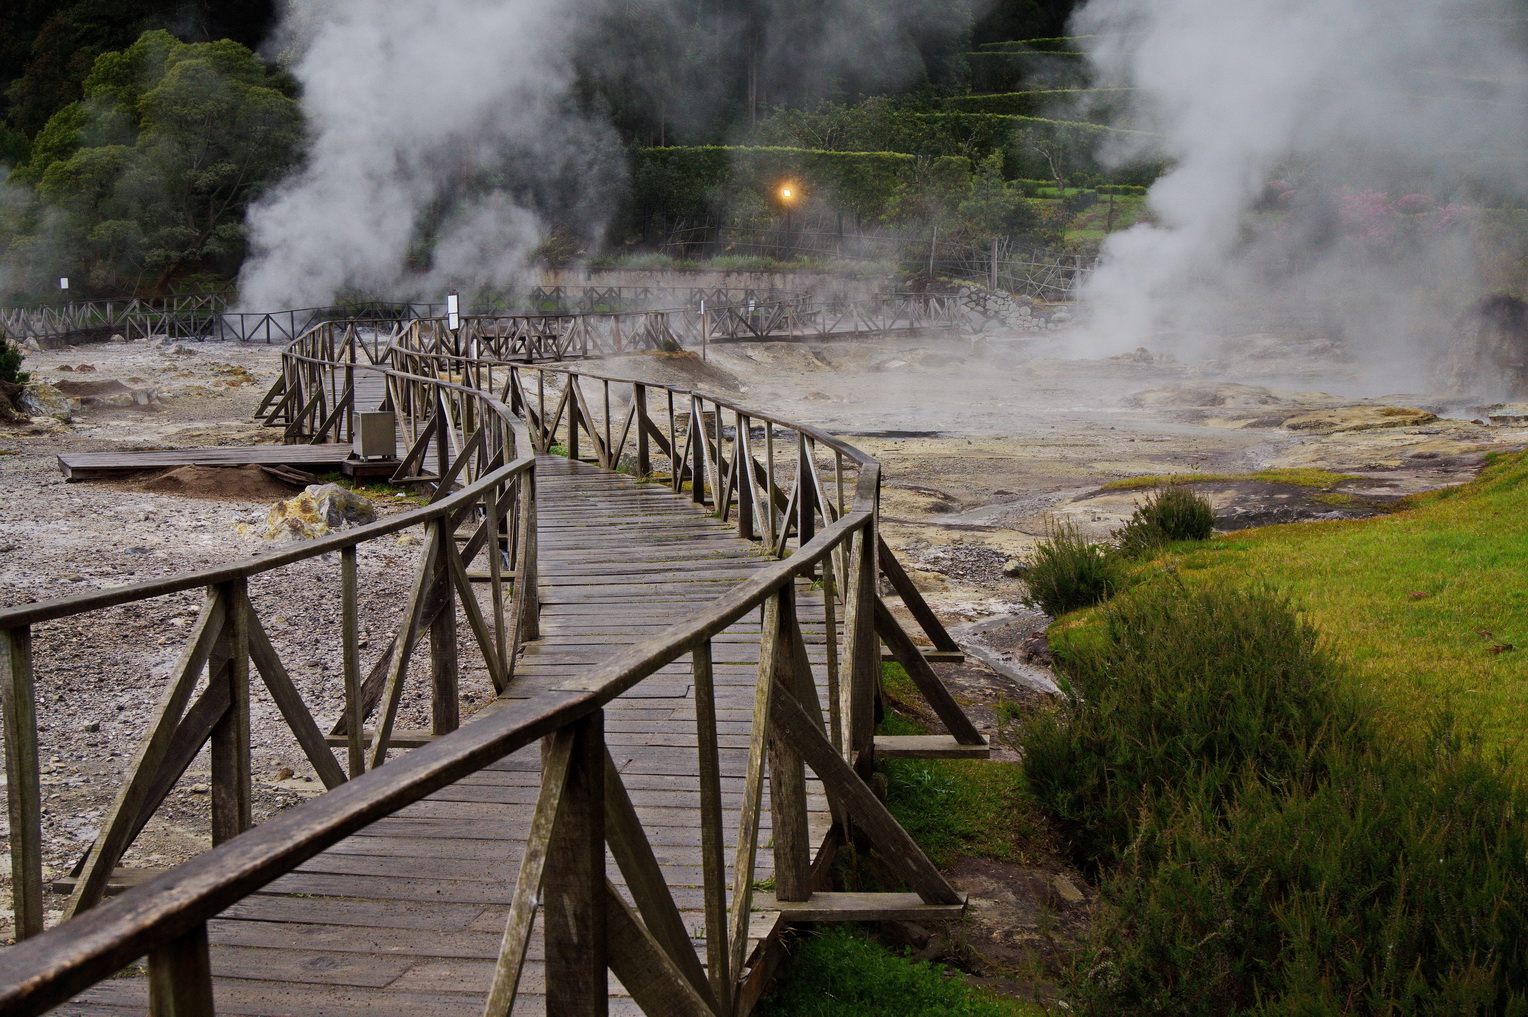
[100, 677]
[984, 443]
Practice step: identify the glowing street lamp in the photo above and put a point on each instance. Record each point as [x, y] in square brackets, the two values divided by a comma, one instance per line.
[788, 194]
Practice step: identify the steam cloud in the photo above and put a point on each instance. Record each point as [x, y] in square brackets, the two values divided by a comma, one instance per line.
[1351, 101]
[462, 128]
[439, 119]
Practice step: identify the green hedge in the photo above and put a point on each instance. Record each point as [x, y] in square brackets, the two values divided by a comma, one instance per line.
[1019, 70]
[1068, 45]
[1033, 102]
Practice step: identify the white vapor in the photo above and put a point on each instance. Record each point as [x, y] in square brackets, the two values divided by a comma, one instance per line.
[448, 137]
[429, 119]
[1349, 99]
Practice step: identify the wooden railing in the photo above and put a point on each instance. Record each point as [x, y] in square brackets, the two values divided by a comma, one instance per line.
[806, 496]
[488, 488]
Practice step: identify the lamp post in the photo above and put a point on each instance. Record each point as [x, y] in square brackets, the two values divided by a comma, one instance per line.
[789, 194]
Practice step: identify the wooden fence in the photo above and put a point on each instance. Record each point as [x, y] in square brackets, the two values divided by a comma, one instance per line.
[804, 494]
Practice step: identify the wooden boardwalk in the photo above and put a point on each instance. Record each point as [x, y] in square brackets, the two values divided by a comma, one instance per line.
[405, 918]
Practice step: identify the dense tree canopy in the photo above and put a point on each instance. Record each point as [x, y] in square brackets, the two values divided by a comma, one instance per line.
[146, 178]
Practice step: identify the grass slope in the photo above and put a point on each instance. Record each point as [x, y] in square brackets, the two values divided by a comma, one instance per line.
[1427, 607]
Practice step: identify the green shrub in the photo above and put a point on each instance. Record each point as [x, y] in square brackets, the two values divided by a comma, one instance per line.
[1170, 513]
[1263, 849]
[10, 362]
[1066, 572]
[1182, 689]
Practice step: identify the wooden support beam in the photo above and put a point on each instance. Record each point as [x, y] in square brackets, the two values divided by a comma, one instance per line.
[522, 907]
[645, 968]
[895, 844]
[900, 581]
[634, 856]
[906, 653]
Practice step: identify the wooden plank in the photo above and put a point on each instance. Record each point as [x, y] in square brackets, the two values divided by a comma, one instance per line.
[937, 746]
[840, 906]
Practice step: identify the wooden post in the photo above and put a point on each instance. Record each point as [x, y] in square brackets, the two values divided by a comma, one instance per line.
[350, 634]
[742, 472]
[230, 756]
[573, 887]
[806, 493]
[863, 650]
[23, 783]
[644, 453]
[445, 711]
[712, 857]
[787, 775]
[528, 620]
[697, 452]
[180, 977]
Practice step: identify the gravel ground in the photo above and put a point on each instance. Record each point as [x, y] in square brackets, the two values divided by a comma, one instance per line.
[100, 676]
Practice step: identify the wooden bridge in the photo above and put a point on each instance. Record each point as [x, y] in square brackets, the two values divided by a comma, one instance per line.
[545, 320]
[677, 602]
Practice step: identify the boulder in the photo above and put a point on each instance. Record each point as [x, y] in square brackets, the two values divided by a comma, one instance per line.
[318, 510]
[43, 400]
[1358, 418]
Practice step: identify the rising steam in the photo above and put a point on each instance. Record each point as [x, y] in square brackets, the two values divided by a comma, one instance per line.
[449, 136]
[439, 124]
[1375, 128]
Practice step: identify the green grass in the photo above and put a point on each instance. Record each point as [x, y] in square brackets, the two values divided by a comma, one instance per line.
[1419, 606]
[842, 972]
[1321, 480]
[955, 807]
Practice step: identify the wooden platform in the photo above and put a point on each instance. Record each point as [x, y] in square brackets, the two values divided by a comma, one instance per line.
[311, 458]
[405, 918]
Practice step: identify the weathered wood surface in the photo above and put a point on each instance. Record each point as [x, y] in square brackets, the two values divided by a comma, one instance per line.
[311, 458]
[408, 916]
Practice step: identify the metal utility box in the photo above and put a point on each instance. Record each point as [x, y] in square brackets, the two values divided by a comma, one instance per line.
[376, 434]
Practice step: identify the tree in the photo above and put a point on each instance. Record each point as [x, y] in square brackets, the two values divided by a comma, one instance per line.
[147, 177]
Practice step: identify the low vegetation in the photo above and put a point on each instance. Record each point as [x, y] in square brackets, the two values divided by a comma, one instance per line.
[1263, 846]
[1426, 608]
[1066, 572]
[1169, 514]
[842, 972]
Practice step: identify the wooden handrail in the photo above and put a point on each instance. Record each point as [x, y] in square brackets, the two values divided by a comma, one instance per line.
[836, 539]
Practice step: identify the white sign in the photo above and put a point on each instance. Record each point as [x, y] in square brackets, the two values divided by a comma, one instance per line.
[63, 283]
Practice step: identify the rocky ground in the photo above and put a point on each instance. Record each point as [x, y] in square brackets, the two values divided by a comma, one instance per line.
[985, 443]
[100, 677]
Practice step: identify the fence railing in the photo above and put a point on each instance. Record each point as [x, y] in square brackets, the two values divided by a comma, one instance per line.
[800, 492]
